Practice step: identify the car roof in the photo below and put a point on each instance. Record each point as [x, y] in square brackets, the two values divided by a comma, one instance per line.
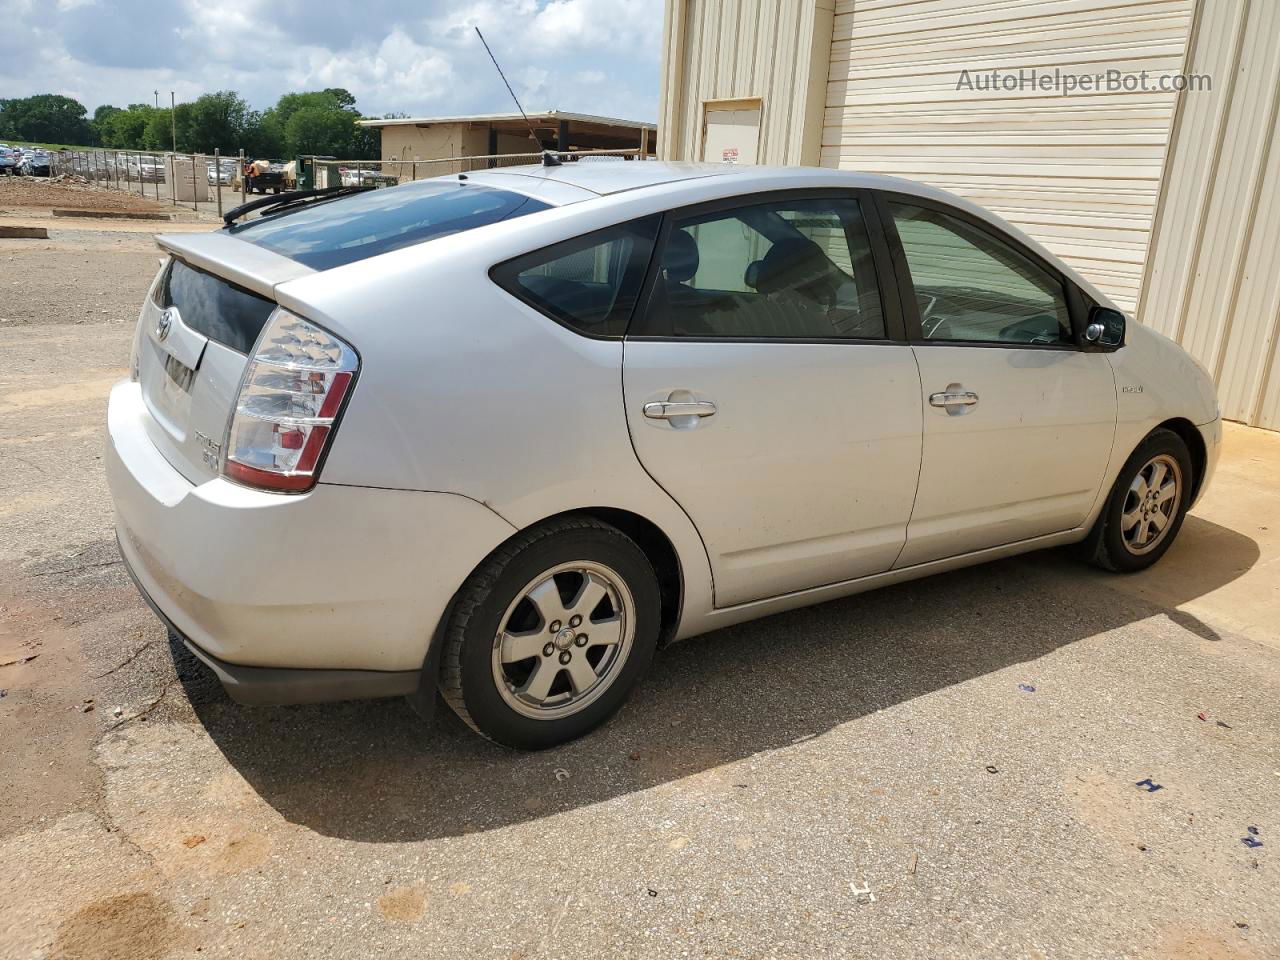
[604, 176]
[614, 175]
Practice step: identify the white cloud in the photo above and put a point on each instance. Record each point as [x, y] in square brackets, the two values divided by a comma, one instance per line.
[593, 56]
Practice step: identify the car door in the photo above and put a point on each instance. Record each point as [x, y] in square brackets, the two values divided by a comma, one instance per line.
[1019, 418]
[769, 390]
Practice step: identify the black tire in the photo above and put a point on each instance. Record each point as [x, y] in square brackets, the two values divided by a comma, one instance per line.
[467, 679]
[1106, 546]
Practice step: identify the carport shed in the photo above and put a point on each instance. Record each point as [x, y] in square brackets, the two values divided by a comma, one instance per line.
[490, 134]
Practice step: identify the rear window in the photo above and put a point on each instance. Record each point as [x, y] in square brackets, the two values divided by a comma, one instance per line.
[220, 310]
[335, 232]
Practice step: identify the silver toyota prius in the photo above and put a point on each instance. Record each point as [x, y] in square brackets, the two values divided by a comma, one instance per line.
[503, 434]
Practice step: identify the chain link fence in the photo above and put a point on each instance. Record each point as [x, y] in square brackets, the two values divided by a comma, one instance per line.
[217, 182]
[197, 181]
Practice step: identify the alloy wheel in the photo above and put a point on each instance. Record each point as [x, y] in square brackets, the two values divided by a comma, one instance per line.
[563, 640]
[1151, 503]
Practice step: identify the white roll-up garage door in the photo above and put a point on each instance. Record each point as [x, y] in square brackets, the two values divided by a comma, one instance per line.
[1081, 172]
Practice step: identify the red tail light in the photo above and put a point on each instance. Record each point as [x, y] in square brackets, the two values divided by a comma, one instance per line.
[291, 394]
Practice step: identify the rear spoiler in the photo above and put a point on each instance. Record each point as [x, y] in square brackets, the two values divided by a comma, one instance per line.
[245, 264]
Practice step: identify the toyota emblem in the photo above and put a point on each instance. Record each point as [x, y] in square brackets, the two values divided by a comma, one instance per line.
[165, 323]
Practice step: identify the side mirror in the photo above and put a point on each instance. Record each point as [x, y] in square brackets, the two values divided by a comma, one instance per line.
[1105, 329]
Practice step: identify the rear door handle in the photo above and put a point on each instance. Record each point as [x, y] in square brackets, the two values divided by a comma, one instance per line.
[952, 398]
[670, 409]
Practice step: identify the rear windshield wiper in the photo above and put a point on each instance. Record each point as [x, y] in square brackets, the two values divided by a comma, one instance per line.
[289, 199]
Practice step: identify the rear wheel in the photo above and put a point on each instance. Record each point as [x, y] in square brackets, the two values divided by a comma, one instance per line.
[1146, 507]
[551, 633]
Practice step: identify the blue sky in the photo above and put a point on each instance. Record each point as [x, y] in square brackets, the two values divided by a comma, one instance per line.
[420, 58]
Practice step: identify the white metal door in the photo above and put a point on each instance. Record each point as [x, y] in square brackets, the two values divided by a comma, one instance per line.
[731, 133]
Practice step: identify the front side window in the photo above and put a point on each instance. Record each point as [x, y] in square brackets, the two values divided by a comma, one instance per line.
[590, 283]
[971, 286]
[786, 270]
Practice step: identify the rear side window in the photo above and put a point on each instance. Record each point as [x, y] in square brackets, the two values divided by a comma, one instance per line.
[221, 311]
[330, 233]
[590, 283]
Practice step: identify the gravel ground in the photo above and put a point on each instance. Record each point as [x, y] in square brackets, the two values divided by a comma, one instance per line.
[948, 768]
[76, 276]
[41, 192]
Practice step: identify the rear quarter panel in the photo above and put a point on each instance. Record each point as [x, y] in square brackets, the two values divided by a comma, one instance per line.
[463, 389]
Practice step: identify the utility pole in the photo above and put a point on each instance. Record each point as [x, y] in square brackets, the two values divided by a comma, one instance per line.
[173, 120]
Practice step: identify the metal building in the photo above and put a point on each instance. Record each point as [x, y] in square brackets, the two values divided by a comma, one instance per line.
[439, 138]
[1167, 197]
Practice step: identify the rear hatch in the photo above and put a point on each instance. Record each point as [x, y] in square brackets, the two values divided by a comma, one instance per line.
[217, 290]
[211, 300]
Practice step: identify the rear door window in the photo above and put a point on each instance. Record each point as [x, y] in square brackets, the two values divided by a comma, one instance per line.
[330, 233]
[590, 283]
[791, 269]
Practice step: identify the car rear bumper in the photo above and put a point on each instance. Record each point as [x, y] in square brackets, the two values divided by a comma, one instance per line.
[350, 580]
[275, 686]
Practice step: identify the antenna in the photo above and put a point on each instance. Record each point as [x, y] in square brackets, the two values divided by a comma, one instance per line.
[549, 159]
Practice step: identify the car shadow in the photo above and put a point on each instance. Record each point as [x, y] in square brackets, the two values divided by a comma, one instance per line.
[373, 772]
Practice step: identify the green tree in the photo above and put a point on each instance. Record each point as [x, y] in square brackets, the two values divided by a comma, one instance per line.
[48, 118]
[126, 129]
[157, 134]
[216, 120]
[318, 122]
[101, 122]
[317, 130]
[341, 96]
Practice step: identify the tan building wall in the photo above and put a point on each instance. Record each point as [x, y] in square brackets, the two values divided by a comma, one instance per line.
[1169, 202]
[1213, 275]
[740, 52]
[434, 142]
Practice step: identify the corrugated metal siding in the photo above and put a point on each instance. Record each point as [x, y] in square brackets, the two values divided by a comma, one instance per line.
[1080, 173]
[742, 49]
[1212, 279]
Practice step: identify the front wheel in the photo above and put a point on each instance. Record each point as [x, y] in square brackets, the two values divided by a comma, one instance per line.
[1146, 507]
[549, 636]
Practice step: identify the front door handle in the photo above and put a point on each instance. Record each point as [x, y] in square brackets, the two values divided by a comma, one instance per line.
[671, 409]
[953, 398]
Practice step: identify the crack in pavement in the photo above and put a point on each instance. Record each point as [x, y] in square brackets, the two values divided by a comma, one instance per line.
[126, 661]
[86, 566]
[164, 692]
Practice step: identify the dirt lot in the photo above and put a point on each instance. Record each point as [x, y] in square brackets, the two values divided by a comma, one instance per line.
[941, 769]
[17, 192]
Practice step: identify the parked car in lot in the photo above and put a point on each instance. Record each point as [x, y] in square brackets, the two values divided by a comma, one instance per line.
[222, 172]
[506, 432]
[145, 168]
[35, 164]
[9, 160]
